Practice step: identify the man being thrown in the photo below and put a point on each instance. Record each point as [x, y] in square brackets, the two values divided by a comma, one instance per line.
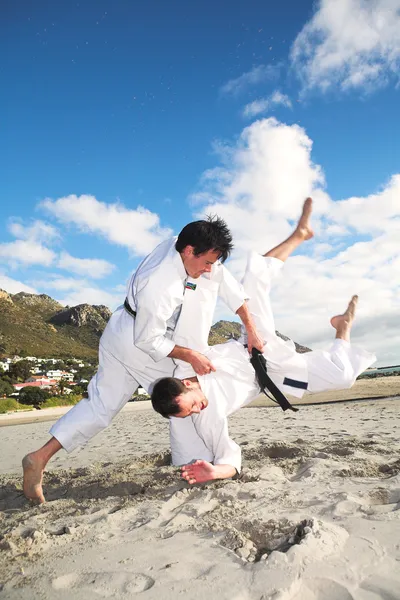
[198, 406]
[137, 346]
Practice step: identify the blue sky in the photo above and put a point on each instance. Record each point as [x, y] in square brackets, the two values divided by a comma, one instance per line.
[123, 121]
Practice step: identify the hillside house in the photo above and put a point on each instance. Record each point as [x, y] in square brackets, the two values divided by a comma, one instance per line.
[57, 374]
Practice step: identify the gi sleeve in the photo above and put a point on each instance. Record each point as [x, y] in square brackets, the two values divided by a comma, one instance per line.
[231, 291]
[216, 438]
[186, 444]
[156, 301]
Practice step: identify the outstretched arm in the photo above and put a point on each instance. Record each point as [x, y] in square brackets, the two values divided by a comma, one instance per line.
[202, 471]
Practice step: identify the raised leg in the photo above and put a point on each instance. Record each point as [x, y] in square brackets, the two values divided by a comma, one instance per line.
[261, 271]
[302, 233]
[343, 323]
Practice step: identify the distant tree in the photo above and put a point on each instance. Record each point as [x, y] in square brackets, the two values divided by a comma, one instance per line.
[6, 389]
[79, 390]
[82, 388]
[85, 373]
[20, 371]
[33, 395]
[59, 366]
[62, 384]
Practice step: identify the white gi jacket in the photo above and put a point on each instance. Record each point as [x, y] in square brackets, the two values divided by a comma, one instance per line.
[156, 292]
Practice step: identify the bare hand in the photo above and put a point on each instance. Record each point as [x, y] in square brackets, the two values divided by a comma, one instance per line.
[201, 364]
[254, 341]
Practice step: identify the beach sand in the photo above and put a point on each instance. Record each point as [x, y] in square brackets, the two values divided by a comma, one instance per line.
[315, 514]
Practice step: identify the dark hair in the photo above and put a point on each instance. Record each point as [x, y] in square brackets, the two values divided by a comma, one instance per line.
[209, 234]
[164, 394]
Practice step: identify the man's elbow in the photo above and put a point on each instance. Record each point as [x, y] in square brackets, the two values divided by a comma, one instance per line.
[156, 350]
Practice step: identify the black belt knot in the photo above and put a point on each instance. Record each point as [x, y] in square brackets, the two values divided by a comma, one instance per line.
[265, 382]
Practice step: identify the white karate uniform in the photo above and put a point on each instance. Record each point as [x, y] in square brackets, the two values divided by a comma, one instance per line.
[233, 384]
[134, 351]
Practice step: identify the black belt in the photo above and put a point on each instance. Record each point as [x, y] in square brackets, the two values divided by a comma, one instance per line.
[265, 382]
[129, 309]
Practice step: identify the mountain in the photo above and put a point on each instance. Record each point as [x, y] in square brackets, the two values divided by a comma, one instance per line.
[226, 330]
[37, 325]
[84, 323]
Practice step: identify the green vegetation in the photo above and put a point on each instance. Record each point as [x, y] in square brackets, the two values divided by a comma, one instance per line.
[20, 371]
[32, 395]
[54, 401]
[223, 331]
[376, 374]
[6, 389]
[11, 405]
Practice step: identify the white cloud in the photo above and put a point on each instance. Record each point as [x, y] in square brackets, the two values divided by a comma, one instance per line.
[29, 248]
[256, 75]
[38, 231]
[259, 188]
[121, 288]
[92, 295]
[72, 290]
[62, 284]
[264, 178]
[349, 44]
[262, 105]
[95, 268]
[372, 214]
[13, 286]
[26, 252]
[138, 230]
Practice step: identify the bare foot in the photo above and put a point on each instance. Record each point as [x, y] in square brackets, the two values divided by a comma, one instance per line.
[342, 323]
[33, 476]
[303, 228]
[198, 472]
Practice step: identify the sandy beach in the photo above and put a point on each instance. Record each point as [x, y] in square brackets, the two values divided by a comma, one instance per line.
[314, 514]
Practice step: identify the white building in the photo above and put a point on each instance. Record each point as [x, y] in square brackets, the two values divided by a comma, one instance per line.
[57, 374]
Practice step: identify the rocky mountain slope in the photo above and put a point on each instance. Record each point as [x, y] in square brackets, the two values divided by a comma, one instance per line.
[225, 330]
[37, 325]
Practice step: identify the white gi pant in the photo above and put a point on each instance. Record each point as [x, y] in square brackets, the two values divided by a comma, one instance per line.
[205, 436]
[122, 368]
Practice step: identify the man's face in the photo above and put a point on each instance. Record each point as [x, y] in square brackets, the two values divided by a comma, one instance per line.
[191, 403]
[197, 265]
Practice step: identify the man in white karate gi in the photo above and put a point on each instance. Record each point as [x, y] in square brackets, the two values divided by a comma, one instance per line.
[137, 346]
[198, 406]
